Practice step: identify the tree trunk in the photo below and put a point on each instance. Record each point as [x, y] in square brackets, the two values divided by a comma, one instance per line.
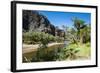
[81, 40]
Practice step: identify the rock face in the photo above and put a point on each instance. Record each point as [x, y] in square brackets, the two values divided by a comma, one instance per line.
[33, 21]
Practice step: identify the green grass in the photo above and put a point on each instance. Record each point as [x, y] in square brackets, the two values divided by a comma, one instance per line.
[84, 49]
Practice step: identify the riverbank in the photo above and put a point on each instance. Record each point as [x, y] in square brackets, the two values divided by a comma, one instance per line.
[30, 48]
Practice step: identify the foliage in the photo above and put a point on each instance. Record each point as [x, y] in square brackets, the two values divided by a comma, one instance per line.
[79, 44]
[31, 37]
[84, 49]
[58, 54]
[44, 54]
[67, 53]
[78, 23]
[39, 37]
[83, 30]
[70, 52]
[85, 34]
[59, 39]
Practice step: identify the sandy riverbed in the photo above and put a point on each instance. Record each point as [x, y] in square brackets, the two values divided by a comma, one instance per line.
[29, 48]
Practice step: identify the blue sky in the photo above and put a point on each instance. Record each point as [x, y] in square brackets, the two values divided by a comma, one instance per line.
[64, 18]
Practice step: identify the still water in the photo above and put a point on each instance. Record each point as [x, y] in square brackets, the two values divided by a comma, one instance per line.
[32, 54]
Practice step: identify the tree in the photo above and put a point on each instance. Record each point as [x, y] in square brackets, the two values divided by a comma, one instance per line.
[85, 34]
[83, 31]
[78, 24]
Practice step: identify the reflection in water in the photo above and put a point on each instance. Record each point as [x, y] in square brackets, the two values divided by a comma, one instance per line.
[30, 55]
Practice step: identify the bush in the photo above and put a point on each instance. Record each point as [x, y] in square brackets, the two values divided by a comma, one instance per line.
[58, 54]
[39, 37]
[66, 53]
[44, 55]
[88, 44]
[59, 39]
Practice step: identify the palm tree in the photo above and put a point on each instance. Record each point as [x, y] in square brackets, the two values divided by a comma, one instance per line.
[81, 28]
[78, 23]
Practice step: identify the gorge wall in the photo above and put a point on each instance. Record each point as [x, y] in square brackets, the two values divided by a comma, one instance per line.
[34, 21]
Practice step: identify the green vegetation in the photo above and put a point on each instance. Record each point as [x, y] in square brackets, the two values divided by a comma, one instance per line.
[46, 54]
[78, 46]
[82, 30]
[40, 37]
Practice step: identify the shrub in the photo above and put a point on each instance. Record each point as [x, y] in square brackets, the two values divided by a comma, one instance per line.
[44, 55]
[39, 37]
